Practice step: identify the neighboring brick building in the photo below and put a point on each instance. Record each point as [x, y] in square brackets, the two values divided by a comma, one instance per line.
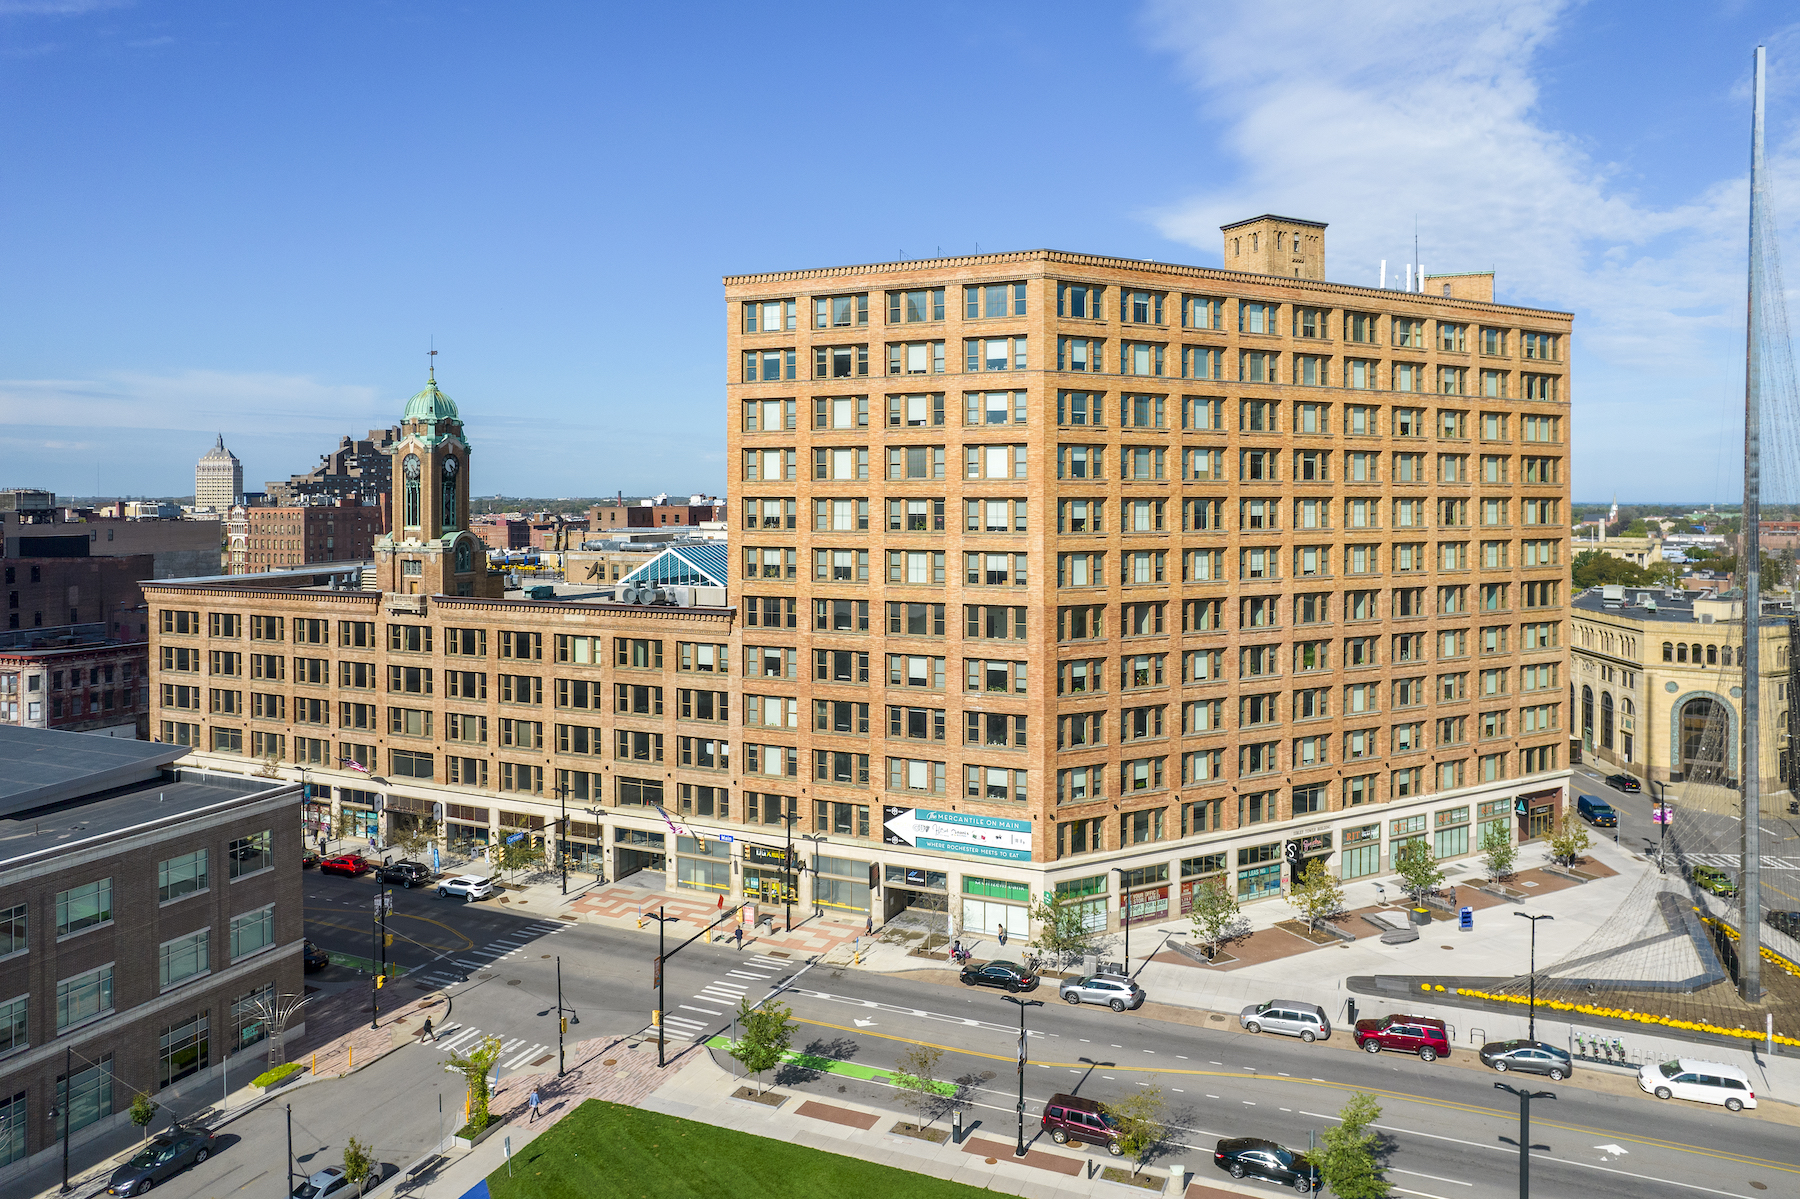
[502, 532]
[77, 680]
[360, 467]
[281, 538]
[143, 908]
[45, 593]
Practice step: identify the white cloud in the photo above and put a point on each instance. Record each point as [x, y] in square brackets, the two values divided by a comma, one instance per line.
[1367, 115]
[196, 400]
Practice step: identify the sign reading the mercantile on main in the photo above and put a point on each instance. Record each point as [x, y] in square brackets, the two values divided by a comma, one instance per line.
[957, 832]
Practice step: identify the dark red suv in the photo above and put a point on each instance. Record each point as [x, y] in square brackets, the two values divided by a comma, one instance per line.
[1408, 1034]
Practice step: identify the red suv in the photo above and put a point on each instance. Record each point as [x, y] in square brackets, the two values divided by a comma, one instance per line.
[1409, 1034]
[344, 863]
[1072, 1118]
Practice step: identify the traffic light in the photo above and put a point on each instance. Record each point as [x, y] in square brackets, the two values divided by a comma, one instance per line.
[389, 939]
[656, 1018]
[565, 1025]
[380, 981]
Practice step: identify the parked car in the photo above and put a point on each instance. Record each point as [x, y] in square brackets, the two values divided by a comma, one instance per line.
[323, 1185]
[1624, 782]
[1596, 811]
[161, 1158]
[1238, 1156]
[1010, 975]
[1703, 1082]
[1408, 1034]
[1116, 991]
[470, 886]
[1711, 878]
[309, 858]
[408, 874]
[1527, 1057]
[1072, 1118]
[1784, 921]
[344, 863]
[314, 958]
[1295, 1017]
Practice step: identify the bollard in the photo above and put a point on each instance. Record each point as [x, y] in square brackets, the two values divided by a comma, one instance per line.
[956, 1130]
[351, 1064]
[1177, 1178]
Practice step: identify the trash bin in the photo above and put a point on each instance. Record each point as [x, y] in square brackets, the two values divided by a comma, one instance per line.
[1350, 1011]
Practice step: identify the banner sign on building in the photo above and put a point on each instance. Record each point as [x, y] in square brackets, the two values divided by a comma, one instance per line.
[957, 832]
[764, 855]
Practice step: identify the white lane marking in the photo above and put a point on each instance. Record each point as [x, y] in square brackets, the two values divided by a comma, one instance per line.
[1435, 1178]
[1422, 1194]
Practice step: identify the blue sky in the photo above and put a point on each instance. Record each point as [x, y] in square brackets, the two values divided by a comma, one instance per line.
[251, 218]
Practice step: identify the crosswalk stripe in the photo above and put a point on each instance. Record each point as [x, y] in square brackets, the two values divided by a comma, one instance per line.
[690, 1008]
[525, 1057]
[746, 974]
[457, 1041]
[469, 965]
[719, 982]
[509, 1046]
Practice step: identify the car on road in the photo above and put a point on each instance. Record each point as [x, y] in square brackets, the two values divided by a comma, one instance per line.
[161, 1158]
[1527, 1057]
[326, 1183]
[1295, 1017]
[1703, 1082]
[1116, 991]
[1711, 878]
[344, 863]
[313, 958]
[1257, 1158]
[309, 858]
[1407, 1034]
[1624, 782]
[1596, 811]
[1008, 975]
[407, 873]
[470, 886]
[1072, 1118]
[1784, 921]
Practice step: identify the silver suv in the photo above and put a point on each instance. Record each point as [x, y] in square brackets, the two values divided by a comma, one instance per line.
[470, 886]
[1116, 991]
[1295, 1017]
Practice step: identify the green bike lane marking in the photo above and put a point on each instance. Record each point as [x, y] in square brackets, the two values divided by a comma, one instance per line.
[832, 1065]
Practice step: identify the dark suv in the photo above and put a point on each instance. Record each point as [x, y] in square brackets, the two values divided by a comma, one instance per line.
[1408, 1034]
[1008, 975]
[1072, 1118]
[407, 874]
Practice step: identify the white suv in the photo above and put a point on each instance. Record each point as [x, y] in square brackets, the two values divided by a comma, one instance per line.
[1706, 1082]
[470, 886]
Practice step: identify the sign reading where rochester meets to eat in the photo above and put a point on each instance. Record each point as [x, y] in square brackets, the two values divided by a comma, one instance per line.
[957, 832]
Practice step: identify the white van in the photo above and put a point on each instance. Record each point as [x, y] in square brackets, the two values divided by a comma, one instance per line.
[1704, 1082]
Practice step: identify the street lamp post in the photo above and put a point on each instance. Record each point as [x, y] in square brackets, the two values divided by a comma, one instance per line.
[562, 1024]
[1125, 916]
[662, 922]
[1533, 1008]
[562, 839]
[788, 879]
[1660, 811]
[1023, 1004]
[1525, 1098]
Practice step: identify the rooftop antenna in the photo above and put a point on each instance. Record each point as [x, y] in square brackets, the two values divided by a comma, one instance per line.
[1416, 251]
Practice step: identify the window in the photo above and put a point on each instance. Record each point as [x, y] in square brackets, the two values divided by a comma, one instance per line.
[1537, 387]
[184, 958]
[841, 566]
[840, 362]
[83, 907]
[916, 774]
[1140, 358]
[1081, 570]
[1202, 362]
[179, 877]
[995, 354]
[994, 784]
[1202, 312]
[1080, 784]
[1141, 307]
[988, 300]
[84, 997]
[912, 462]
[839, 616]
[918, 411]
[768, 416]
[994, 461]
[989, 675]
[1538, 346]
[252, 932]
[1080, 408]
[770, 316]
[993, 408]
[1080, 676]
[838, 312]
[1142, 463]
[1076, 354]
[410, 764]
[994, 570]
[1080, 462]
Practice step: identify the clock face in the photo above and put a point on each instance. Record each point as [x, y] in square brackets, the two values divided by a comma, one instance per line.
[450, 465]
[411, 466]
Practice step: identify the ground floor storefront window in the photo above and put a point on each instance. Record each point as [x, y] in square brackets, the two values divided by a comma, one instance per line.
[1259, 871]
[182, 1050]
[703, 865]
[1362, 851]
[89, 1094]
[768, 886]
[841, 884]
[990, 904]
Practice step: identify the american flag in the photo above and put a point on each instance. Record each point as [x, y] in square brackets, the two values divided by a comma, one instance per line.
[353, 764]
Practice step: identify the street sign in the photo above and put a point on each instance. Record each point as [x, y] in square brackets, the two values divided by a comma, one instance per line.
[957, 832]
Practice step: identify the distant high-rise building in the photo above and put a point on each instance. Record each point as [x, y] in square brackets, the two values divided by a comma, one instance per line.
[358, 467]
[218, 478]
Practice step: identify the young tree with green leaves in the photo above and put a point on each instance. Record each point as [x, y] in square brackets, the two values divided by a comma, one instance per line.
[513, 856]
[143, 1110]
[764, 1034]
[474, 1066]
[1417, 869]
[1139, 1120]
[1316, 894]
[357, 1162]
[1568, 838]
[915, 1073]
[413, 837]
[1214, 913]
[1498, 852]
[1063, 933]
[1347, 1163]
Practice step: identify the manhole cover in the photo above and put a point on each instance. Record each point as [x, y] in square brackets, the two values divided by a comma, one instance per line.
[1446, 947]
[1759, 1186]
[513, 982]
[611, 1061]
[545, 956]
[992, 1160]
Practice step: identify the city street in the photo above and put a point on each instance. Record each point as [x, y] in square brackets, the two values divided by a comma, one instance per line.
[1447, 1129]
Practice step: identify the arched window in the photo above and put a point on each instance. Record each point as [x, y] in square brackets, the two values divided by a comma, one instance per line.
[1668, 651]
[1627, 726]
[449, 503]
[410, 492]
[1681, 653]
[1696, 654]
[1587, 714]
[1606, 720]
[1712, 655]
[463, 559]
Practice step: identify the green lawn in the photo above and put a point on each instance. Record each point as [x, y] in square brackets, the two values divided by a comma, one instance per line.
[603, 1149]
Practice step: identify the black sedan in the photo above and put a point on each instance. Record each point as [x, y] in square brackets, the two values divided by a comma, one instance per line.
[1787, 922]
[162, 1157]
[1009, 975]
[1624, 782]
[407, 874]
[1527, 1057]
[1258, 1158]
[313, 958]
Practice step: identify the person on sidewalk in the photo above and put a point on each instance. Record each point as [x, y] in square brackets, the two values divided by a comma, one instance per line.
[1002, 934]
[531, 1101]
[425, 1034]
[737, 936]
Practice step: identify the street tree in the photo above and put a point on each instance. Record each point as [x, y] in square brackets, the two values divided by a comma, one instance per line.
[763, 1041]
[1498, 853]
[1063, 932]
[143, 1110]
[513, 856]
[356, 1161]
[1139, 1119]
[474, 1066]
[1347, 1164]
[1316, 894]
[413, 837]
[915, 1073]
[1568, 839]
[1215, 913]
[1417, 869]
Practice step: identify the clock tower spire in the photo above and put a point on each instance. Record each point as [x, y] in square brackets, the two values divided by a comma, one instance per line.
[429, 549]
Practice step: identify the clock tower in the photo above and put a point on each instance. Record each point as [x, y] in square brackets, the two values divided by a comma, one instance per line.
[429, 549]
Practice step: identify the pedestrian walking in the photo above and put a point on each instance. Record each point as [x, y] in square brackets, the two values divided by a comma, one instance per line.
[531, 1102]
[425, 1034]
[737, 936]
[1002, 934]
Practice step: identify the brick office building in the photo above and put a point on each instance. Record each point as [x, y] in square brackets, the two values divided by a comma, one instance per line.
[144, 907]
[343, 529]
[77, 680]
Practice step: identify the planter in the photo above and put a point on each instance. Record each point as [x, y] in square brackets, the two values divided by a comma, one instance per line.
[1421, 916]
[278, 1076]
[464, 1142]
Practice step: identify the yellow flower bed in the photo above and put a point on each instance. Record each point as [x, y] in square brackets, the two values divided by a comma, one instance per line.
[1791, 969]
[1588, 1009]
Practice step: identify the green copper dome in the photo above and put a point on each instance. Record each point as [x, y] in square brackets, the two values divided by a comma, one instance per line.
[430, 405]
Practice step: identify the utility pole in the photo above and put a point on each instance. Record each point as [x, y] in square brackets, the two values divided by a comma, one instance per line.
[378, 952]
[1125, 915]
[1525, 1098]
[662, 922]
[290, 1135]
[1023, 1004]
[68, 1094]
[1750, 759]
[562, 842]
[788, 877]
[1534, 923]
